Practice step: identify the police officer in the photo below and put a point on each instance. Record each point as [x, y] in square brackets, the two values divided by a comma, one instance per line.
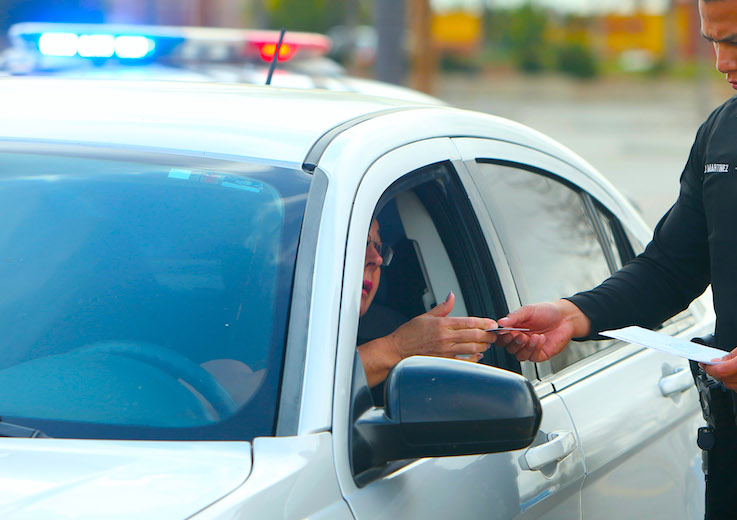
[694, 244]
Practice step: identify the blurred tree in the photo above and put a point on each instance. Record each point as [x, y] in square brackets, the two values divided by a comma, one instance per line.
[306, 15]
[526, 33]
[496, 27]
[577, 60]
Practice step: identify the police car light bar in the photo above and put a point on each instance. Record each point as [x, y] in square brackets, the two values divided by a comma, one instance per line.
[131, 42]
[94, 45]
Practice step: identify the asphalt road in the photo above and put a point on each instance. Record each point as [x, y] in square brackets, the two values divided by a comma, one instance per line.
[637, 133]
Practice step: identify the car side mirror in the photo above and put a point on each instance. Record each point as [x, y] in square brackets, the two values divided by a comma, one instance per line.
[438, 407]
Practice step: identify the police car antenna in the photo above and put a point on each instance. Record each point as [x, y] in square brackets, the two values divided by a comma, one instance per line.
[276, 57]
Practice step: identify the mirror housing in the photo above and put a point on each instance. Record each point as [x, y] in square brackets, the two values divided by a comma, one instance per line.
[438, 407]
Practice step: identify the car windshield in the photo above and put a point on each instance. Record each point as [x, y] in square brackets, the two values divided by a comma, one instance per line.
[144, 296]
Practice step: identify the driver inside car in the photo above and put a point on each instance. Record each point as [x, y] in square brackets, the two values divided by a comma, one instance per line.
[433, 333]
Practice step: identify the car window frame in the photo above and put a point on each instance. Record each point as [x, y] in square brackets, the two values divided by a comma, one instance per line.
[381, 173]
[412, 157]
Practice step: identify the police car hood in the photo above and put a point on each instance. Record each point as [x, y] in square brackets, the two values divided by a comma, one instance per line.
[51, 478]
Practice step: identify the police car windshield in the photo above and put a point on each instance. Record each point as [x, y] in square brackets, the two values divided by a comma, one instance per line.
[144, 296]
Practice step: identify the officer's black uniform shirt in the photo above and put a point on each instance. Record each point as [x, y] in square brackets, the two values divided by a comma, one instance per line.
[694, 244]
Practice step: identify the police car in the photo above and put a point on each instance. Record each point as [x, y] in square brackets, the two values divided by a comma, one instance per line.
[180, 309]
[173, 53]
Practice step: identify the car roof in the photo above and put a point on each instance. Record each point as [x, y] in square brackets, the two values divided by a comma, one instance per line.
[258, 122]
[264, 124]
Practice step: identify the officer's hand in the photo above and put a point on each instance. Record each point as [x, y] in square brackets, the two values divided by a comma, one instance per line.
[552, 326]
[726, 371]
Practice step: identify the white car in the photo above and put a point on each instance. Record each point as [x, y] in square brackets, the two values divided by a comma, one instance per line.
[181, 271]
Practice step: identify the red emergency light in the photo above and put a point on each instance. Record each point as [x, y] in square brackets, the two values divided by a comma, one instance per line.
[304, 44]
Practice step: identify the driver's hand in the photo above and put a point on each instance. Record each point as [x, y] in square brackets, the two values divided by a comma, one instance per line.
[436, 334]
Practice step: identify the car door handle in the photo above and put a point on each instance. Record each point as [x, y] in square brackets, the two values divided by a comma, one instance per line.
[560, 444]
[676, 383]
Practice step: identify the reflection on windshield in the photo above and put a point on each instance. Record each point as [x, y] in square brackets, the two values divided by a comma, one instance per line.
[144, 299]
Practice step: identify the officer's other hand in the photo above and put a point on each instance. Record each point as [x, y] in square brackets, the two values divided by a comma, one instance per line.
[726, 371]
[552, 326]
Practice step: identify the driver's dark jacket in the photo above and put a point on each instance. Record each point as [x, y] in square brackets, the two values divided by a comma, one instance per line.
[694, 244]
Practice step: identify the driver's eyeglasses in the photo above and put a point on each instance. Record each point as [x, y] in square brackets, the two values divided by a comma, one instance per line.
[385, 252]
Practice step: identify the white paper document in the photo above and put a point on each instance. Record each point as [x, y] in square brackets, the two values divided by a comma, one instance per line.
[665, 343]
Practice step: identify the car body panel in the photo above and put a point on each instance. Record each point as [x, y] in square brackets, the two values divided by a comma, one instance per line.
[121, 114]
[116, 479]
[486, 486]
[637, 439]
[292, 477]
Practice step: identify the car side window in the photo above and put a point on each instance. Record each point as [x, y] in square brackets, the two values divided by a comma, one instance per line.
[553, 247]
[436, 250]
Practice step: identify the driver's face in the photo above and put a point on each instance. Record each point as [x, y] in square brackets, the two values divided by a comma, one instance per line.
[371, 269]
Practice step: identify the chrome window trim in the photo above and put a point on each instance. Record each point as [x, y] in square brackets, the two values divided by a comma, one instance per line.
[295, 355]
[318, 148]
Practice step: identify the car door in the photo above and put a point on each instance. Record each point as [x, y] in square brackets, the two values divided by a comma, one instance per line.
[635, 410]
[418, 186]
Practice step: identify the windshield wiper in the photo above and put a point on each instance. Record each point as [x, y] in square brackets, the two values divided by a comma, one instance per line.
[16, 430]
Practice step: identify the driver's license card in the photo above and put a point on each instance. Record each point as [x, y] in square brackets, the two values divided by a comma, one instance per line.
[502, 330]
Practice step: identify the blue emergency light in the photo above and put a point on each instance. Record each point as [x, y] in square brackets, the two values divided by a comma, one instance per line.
[134, 47]
[95, 45]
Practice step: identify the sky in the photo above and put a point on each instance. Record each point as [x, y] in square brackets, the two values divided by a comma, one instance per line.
[573, 6]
